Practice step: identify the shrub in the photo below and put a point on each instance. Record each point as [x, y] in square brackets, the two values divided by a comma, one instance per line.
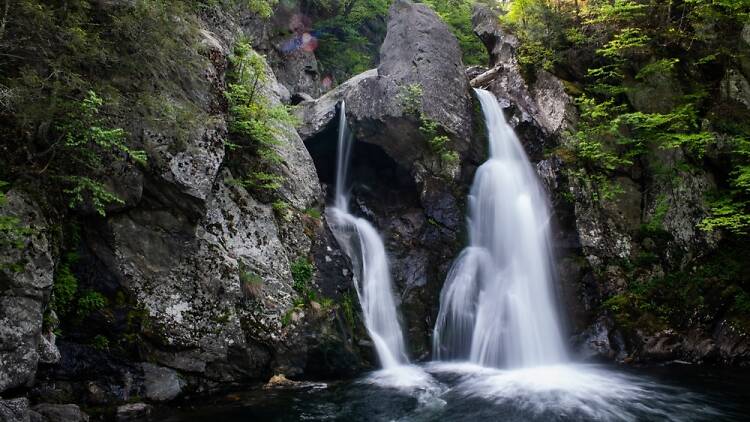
[251, 283]
[89, 302]
[65, 286]
[302, 274]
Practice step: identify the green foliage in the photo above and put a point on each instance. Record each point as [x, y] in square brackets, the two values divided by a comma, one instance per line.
[69, 87]
[249, 277]
[89, 302]
[281, 210]
[348, 308]
[302, 274]
[313, 213]
[457, 15]
[654, 225]
[88, 144]
[411, 98]
[263, 8]
[100, 342]
[676, 299]
[730, 210]
[256, 124]
[543, 28]
[251, 282]
[65, 286]
[633, 45]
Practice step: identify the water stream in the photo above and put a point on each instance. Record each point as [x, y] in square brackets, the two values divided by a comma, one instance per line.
[362, 243]
[497, 306]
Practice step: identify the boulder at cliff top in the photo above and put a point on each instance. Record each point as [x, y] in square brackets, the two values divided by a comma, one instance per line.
[419, 51]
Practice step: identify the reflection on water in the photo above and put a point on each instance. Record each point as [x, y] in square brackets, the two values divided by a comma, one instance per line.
[466, 392]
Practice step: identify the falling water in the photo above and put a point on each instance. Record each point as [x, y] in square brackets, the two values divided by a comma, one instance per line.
[365, 248]
[497, 307]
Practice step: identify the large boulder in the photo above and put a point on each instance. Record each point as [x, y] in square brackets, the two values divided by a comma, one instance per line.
[428, 59]
[61, 413]
[26, 272]
[214, 280]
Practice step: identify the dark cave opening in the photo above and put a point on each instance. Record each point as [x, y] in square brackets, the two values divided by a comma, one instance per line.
[374, 176]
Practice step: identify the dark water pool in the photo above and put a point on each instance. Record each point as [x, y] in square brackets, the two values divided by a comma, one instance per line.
[463, 392]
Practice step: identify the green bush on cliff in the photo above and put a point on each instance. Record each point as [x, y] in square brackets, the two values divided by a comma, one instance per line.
[70, 87]
[302, 275]
[65, 286]
[457, 15]
[627, 47]
[12, 232]
[256, 125]
[439, 143]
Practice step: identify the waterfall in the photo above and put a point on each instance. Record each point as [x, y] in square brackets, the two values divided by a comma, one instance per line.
[361, 242]
[497, 306]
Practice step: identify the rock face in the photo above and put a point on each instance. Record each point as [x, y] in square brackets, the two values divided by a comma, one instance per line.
[593, 237]
[188, 249]
[194, 269]
[400, 183]
[25, 284]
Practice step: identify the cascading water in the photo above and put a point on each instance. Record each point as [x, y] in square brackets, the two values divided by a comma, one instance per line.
[365, 248]
[497, 307]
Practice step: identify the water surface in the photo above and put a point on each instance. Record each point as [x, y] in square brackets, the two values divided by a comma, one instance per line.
[466, 392]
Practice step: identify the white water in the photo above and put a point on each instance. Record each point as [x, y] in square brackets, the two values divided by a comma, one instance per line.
[497, 306]
[361, 242]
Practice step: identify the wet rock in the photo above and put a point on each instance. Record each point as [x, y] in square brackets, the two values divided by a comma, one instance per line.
[540, 112]
[61, 413]
[133, 412]
[24, 295]
[413, 186]
[732, 343]
[663, 346]
[161, 384]
[657, 93]
[600, 340]
[85, 374]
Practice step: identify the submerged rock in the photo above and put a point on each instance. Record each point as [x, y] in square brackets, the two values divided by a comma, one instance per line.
[161, 384]
[133, 412]
[61, 413]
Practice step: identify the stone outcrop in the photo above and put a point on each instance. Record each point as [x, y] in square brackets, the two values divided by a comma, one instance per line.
[26, 271]
[429, 59]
